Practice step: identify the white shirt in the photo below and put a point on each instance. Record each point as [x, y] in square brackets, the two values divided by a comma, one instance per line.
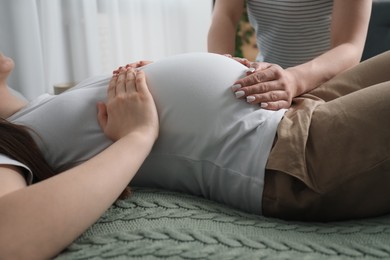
[5, 160]
[210, 143]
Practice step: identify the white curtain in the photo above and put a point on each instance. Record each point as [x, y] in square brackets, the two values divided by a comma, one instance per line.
[55, 41]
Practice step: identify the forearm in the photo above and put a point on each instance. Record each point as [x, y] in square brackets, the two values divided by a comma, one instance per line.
[41, 220]
[222, 34]
[221, 37]
[349, 27]
[319, 70]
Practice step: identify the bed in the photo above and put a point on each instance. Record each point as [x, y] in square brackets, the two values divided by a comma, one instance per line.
[154, 224]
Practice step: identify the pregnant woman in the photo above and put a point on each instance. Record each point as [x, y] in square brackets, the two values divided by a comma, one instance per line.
[294, 164]
[210, 144]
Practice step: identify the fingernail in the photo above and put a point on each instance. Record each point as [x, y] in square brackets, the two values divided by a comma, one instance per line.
[235, 87]
[250, 99]
[263, 105]
[239, 94]
[250, 70]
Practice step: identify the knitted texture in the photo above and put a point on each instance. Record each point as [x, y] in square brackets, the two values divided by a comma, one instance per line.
[155, 224]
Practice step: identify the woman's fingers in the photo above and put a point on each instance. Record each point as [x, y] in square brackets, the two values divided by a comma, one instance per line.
[133, 65]
[273, 100]
[141, 82]
[130, 106]
[121, 82]
[260, 65]
[135, 81]
[130, 80]
[112, 86]
[269, 85]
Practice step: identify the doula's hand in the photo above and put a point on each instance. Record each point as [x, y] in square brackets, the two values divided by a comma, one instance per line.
[130, 106]
[243, 61]
[268, 85]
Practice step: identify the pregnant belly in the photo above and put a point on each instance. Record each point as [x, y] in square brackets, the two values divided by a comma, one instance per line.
[193, 96]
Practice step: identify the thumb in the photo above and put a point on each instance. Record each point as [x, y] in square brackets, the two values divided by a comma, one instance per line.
[102, 115]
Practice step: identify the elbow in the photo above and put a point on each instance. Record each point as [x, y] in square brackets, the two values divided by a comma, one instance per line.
[356, 53]
[14, 245]
[352, 54]
[21, 252]
[12, 250]
[352, 51]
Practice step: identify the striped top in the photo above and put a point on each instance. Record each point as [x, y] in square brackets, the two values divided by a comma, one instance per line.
[290, 32]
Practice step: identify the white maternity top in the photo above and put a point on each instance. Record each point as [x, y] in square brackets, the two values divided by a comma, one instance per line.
[5, 160]
[210, 143]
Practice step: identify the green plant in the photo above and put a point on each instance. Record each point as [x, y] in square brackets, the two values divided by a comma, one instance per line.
[243, 33]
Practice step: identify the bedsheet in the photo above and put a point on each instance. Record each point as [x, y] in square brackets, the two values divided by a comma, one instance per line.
[155, 224]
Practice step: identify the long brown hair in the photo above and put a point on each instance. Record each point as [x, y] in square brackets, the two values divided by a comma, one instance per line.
[17, 143]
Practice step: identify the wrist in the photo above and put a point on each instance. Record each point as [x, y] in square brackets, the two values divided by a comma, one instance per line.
[139, 144]
[296, 81]
[145, 136]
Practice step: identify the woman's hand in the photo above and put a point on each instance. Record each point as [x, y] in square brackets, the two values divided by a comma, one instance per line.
[129, 115]
[243, 61]
[268, 85]
[133, 65]
[130, 106]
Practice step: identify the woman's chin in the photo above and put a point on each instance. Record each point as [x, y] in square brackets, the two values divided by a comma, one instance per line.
[6, 66]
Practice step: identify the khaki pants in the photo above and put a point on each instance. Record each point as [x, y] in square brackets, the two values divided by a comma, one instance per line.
[331, 160]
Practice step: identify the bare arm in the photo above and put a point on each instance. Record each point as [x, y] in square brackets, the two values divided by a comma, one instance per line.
[274, 87]
[348, 34]
[222, 32]
[39, 221]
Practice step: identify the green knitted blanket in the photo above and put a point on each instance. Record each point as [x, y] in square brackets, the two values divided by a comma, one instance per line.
[156, 224]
